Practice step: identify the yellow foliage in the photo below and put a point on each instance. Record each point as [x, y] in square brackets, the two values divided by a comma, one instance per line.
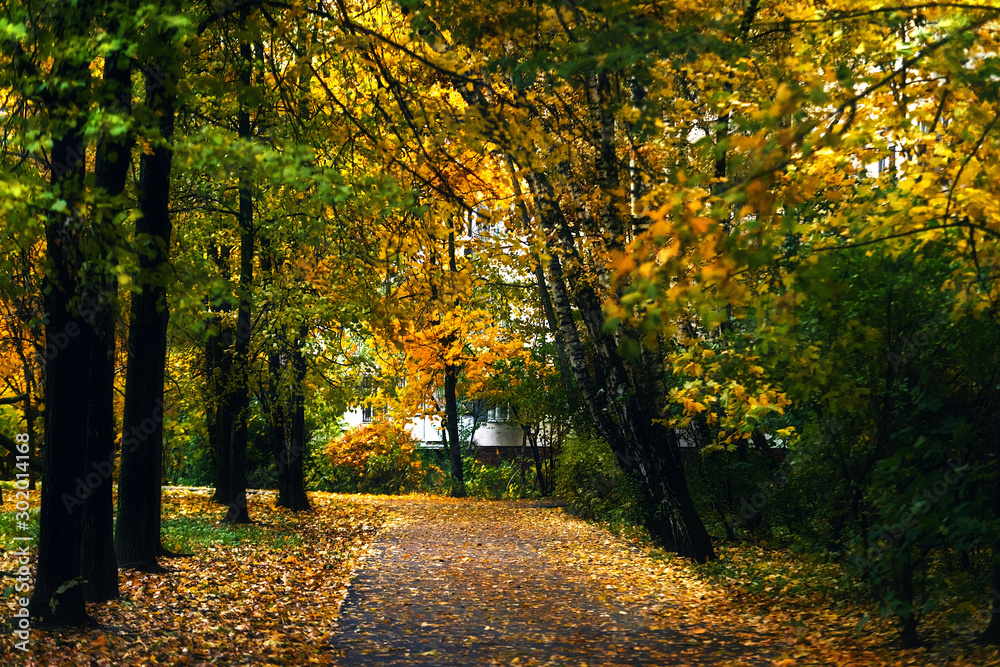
[381, 456]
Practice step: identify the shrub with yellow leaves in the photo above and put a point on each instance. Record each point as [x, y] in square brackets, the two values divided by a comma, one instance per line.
[380, 457]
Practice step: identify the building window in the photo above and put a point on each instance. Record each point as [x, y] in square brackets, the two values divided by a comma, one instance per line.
[501, 413]
[887, 163]
[367, 414]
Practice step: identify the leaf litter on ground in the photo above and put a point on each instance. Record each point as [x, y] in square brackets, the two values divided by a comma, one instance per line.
[263, 594]
[272, 594]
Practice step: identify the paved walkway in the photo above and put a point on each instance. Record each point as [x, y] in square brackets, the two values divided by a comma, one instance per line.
[477, 583]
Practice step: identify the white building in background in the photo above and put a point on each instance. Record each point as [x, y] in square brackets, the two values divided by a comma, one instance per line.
[497, 431]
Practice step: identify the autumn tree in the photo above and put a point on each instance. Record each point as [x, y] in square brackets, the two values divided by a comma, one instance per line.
[57, 113]
[111, 166]
[137, 529]
[857, 163]
[564, 110]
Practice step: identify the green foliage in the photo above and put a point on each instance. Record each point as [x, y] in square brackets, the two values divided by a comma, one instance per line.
[437, 465]
[8, 520]
[187, 461]
[10, 421]
[893, 378]
[588, 478]
[507, 481]
[743, 493]
[320, 473]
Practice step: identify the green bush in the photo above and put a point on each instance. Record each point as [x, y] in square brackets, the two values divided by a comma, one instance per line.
[588, 478]
[740, 496]
[501, 482]
[320, 473]
[437, 467]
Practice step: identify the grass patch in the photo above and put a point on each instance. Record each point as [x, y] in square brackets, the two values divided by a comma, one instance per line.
[9, 525]
[188, 533]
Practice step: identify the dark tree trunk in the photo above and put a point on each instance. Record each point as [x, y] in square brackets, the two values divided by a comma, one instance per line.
[602, 121]
[69, 339]
[218, 364]
[611, 387]
[291, 470]
[451, 393]
[276, 425]
[908, 618]
[531, 438]
[565, 372]
[277, 401]
[451, 426]
[223, 415]
[240, 393]
[240, 406]
[98, 562]
[297, 441]
[238, 512]
[991, 635]
[137, 531]
[64, 485]
[210, 395]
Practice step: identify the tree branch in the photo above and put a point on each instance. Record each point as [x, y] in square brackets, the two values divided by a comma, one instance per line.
[13, 399]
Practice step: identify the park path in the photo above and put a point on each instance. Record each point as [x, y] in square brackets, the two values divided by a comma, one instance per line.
[452, 582]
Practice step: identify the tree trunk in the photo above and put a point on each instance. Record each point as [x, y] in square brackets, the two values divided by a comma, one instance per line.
[240, 393]
[238, 512]
[295, 450]
[98, 562]
[224, 416]
[58, 595]
[621, 399]
[451, 426]
[290, 443]
[602, 122]
[908, 617]
[297, 441]
[210, 395]
[565, 373]
[531, 438]
[991, 635]
[472, 434]
[277, 402]
[137, 532]
[278, 429]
